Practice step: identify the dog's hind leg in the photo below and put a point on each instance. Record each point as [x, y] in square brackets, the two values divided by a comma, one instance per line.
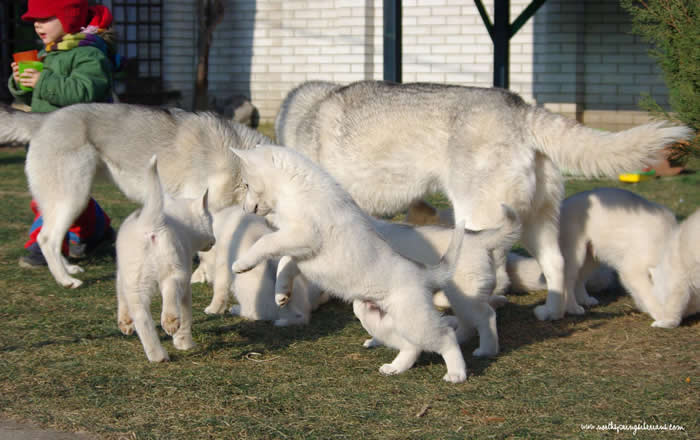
[61, 185]
[582, 296]
[418, 322]
[124, 321]
[541, 239]
[57, 220]
[139, 307]
[176, 316]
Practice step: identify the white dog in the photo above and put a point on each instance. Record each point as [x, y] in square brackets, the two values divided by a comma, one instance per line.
[676, 278]
[336, 246]
[235, 232]
[155, 247]
[384, 331]
[618, 228]
[467, 294]
[71, 146]
[390, 144]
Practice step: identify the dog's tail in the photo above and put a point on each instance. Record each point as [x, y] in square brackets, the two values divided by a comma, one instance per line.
[442, 273]
[152, 211]
[18, 126]
[594, 153]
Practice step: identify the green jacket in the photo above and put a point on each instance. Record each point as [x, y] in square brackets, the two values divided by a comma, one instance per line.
[82, 74]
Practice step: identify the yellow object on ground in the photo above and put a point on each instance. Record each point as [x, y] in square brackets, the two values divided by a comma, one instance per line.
[637, 177]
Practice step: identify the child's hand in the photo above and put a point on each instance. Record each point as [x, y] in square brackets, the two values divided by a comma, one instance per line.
[29, 78]
[15, 72]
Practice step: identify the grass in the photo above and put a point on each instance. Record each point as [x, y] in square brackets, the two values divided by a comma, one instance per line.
[65, 365]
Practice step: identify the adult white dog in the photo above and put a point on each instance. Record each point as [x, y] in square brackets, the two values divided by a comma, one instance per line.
[70, 146]
[391, 144]
[155, 247]
[235, 232]
[336, 246]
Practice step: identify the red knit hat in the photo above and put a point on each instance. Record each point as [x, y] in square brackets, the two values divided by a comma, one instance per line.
[71, 13]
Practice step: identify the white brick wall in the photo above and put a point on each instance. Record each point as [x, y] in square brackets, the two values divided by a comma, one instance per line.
[574, 56]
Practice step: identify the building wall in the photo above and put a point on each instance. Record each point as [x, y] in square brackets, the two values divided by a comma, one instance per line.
[575, 57]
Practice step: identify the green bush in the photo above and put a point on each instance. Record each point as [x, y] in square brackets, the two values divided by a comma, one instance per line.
[673, 27]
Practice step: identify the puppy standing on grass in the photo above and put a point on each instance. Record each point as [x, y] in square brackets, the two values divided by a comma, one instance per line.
[235, 232]
[155, 247]
[335, 246]
[676, 278]
[468, 292]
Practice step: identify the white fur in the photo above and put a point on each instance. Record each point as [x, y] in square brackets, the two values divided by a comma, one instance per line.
[391, 144]
[336, 246]
[72, 146]
[620, 229]
[155, 247]
[676, 279]
[469, 291]
[235, 232]
[385, 332]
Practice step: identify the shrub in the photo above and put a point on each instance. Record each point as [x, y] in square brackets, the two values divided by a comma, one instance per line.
[673, 27]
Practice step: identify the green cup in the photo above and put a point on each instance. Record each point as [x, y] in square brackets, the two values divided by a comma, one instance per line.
[36, 65]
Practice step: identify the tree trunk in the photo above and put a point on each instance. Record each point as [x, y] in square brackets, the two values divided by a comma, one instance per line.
[210, 13]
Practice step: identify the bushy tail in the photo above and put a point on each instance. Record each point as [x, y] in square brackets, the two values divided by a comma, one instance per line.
[442, 273]
[152, 211]
[594, 153]
[18, 126]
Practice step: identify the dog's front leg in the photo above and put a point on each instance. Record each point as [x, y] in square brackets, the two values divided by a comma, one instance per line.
[291, 242]
[287, 270]
[403, 361]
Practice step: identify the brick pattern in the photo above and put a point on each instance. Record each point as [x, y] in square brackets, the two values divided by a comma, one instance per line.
[576, 57]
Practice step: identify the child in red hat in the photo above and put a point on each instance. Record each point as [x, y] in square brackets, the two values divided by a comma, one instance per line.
[79, 59]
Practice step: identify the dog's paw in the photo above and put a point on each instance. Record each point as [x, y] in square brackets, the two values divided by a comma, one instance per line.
[71, 283]
[240, 266]
[589, 301]
[485, 351]
[388, 370]
[544, 314]
[455, 377]
[665, 324]
[215, 309]
[183, 341]
[126, 326]
[235, 310]
[282, 322]
[170, 323]
[575, 309]
[158, 355]
[281, 299]
[74, 269]
[371, 343]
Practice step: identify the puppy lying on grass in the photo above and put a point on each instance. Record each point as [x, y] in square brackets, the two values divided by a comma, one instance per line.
[155, 247]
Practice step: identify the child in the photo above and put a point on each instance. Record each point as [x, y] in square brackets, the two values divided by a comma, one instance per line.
[79, 59]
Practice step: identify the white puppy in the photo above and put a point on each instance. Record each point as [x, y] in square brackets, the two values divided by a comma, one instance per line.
[235, 232]
[618, 228]
[336, 246]
[155, 247]
[677, 277]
